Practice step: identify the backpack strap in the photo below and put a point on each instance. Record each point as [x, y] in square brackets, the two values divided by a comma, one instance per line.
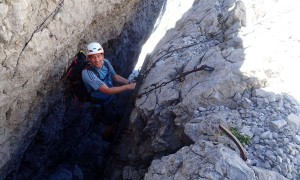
[106, 65]
[94, 71]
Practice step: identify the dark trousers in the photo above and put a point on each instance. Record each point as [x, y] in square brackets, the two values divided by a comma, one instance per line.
[108, 112]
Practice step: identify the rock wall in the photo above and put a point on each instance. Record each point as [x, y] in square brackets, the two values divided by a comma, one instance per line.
[208, 161]
[38, 41]
[251, 47]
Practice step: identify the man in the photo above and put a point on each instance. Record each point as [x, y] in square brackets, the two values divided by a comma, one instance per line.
[98, 79]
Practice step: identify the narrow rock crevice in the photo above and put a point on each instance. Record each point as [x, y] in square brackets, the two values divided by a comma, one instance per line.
[70, 140]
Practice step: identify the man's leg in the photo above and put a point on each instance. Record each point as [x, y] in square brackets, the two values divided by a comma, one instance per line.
[111, 119]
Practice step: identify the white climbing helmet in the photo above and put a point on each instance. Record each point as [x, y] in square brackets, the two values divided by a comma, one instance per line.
[94, 48]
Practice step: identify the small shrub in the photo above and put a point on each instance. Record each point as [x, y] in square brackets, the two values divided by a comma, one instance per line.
[244, 139]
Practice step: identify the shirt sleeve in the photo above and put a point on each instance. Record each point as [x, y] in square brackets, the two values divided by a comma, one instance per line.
[90, 79]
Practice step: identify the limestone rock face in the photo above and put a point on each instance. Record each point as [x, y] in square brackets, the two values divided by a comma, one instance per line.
[203, 160]
[38, 39]
[248, 45]
[252, 46]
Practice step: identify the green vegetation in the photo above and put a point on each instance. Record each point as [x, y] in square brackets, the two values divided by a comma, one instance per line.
[244, 139]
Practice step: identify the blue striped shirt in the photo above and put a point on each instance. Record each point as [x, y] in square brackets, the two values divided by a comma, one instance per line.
[93, 83]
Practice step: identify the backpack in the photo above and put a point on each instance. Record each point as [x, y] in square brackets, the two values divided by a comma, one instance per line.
[77, 86]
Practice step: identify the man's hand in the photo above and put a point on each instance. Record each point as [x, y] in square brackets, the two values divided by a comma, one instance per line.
[131, 86]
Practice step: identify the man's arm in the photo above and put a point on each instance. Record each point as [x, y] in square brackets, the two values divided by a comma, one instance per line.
[115, 90]
[120, 79]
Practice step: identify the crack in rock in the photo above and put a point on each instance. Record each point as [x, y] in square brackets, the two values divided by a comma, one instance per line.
[39, 28]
